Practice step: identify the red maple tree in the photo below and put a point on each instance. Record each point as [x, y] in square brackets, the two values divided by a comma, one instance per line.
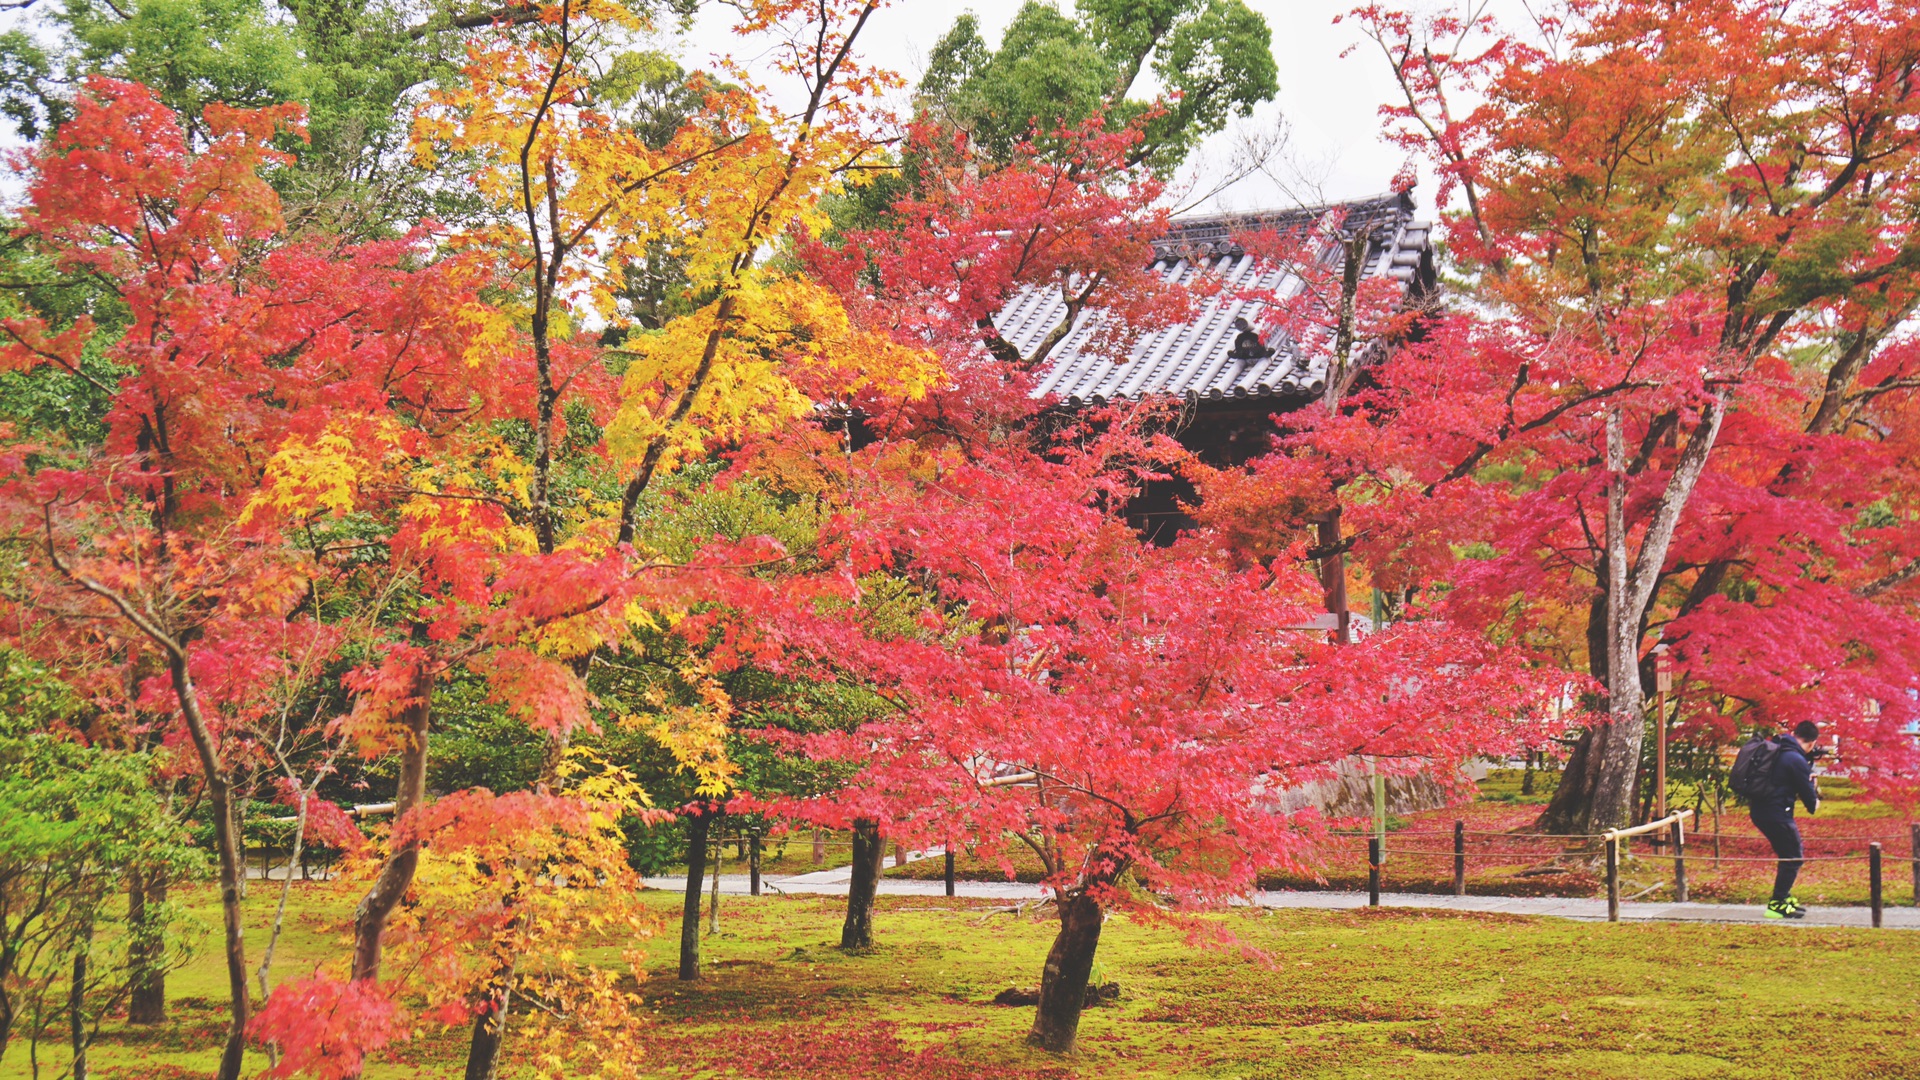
[1133, 715]
[1673, 406]
[238, 345]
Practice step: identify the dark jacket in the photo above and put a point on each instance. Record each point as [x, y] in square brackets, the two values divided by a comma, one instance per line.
[1792, 779]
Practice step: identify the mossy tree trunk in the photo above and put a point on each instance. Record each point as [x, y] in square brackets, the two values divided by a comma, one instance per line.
[868, 851]
[1063, 985]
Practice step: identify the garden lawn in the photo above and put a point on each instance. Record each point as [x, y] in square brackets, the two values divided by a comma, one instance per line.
[1342, 994]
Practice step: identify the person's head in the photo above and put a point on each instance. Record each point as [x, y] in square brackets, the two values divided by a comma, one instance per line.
[1807, 733]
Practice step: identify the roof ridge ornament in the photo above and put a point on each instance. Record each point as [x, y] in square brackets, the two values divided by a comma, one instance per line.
[1248, 345]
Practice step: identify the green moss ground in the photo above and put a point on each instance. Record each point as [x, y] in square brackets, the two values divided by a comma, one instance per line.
[1366, 994]
[788, 853]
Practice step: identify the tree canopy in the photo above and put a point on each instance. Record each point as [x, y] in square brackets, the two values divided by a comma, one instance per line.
[1185, 67]
[487, 448]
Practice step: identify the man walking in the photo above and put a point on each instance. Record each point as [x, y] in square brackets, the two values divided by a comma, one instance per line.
[1776, 785]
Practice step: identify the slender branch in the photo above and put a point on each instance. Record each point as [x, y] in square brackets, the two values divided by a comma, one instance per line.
[1673, 502]
[1890, 582]
[504, 15]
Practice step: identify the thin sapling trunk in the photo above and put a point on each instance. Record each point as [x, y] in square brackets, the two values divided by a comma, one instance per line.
[713, 904]
[286, 887]
[77, 1004]
[226, 840]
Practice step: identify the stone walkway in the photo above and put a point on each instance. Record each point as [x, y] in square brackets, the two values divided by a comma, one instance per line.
[834, 883]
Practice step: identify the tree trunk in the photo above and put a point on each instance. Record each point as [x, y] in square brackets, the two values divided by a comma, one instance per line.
[490, 1023]
[1619, 759]
[489, 1028]
[713, 900]
[1567, 811]
[1333, 575]
[370, 918]
[220, 805]
[1063, 985]
[1340, 373]
[286, 890]
[6, 1016]
[868, 851]
[146, 947]
[697, 826]
[1596, 790]
[77, 1006]
[240, 840]
[220, 801]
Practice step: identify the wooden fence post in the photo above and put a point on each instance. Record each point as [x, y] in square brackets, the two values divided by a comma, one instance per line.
[1373, 871]
[1459, 858]
[1679, 863]
[819, 847]
[949, 869]
[1613, 879]
[1873, 881]
[753, 864]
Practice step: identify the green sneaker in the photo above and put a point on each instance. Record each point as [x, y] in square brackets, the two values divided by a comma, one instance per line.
[1785, 909]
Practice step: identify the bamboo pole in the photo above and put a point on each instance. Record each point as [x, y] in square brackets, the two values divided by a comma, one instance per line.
[1679, 837]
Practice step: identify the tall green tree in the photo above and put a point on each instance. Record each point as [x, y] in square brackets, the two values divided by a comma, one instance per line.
[1212, 60]
[77, 817]
[358, 66]
[190, 52]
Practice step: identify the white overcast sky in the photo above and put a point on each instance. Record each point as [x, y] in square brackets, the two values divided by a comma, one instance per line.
[1329, 103]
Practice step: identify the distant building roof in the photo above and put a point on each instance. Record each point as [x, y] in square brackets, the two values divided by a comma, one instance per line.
[1190, 359]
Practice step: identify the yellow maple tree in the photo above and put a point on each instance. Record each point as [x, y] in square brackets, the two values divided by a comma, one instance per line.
[582, 197]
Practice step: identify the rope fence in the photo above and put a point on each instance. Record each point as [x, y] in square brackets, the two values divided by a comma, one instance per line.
[1565, 838]
[1667, 835]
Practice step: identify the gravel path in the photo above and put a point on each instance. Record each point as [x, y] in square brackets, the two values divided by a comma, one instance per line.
[834, 883]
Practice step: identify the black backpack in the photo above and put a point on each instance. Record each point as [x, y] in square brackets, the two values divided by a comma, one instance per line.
[1752, 775]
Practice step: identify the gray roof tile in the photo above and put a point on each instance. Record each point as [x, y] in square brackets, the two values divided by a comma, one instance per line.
[1190, 359]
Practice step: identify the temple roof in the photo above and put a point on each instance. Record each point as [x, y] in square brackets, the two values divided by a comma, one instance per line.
[1190, 359]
